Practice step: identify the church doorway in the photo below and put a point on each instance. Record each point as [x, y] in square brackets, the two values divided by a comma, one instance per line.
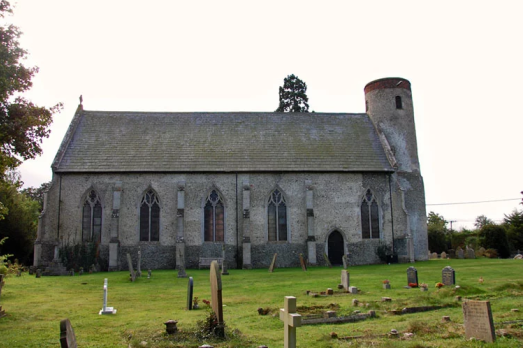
[335, 248]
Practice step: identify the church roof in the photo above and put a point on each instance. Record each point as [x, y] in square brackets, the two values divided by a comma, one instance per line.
[107, 141]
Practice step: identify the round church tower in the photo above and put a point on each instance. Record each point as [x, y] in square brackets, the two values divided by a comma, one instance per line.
[388, 102]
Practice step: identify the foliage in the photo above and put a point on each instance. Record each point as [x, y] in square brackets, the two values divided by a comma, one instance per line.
[293, 95]
[436, 222]
[3, 258]
[514, 225]
[437, 241]
[383, 252]
[209, 327]
[495, 237]
[482, 221]
[491, 253]
[37, 194]
[21, 223]
[23, 124]
[79, 256]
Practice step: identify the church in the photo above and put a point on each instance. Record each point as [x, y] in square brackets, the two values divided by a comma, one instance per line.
[180, 187]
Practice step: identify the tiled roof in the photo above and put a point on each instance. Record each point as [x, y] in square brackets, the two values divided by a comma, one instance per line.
[106, 141]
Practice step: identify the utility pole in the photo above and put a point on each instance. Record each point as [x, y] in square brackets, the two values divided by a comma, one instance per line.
[451, 221]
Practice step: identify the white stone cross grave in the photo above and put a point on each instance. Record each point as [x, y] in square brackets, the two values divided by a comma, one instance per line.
[291, 321]
[105, 309]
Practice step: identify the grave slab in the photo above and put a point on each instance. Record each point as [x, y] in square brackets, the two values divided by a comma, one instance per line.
[477, 318]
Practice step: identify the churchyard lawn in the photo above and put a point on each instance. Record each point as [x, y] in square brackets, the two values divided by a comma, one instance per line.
[34, 307]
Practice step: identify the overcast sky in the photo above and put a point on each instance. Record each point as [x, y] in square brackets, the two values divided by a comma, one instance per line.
[463, 58]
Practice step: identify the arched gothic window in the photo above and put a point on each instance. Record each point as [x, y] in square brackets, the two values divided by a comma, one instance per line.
[92, 218]
[150, 217]
[370, 222]
[214, 218]
[277, 217]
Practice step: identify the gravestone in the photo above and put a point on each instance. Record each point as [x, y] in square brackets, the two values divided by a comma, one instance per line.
[434, 256]
[38, 273]
[224, 262]
[273, 263]
[477, 318]
[181, 266]
[149, 273]
[302, 263]
[448, 276]
[345, 262]
[291, 321]
[216, 295]
[471, 254]
[459, 253]
[139, 265]
[67, 336]
[443, 255]
[412, 276]
[345, 280]
[481, 251]
[131, 269]
[189, 293]
[327, 261]
[105, 309]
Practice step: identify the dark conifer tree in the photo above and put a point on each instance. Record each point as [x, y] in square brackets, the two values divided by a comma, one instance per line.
[293, 95]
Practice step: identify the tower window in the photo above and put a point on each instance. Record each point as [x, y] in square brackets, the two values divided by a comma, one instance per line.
[399, 103]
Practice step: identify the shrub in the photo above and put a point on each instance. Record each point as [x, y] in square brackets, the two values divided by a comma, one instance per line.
[491, 253]
[80, 255]
[437, 241]
[495, 237]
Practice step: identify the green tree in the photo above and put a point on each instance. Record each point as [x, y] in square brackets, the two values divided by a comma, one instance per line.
[293, 95]
[482, 221]
[23, 124]
[495, 237]
[438, 235]
[514, 225]
[37, 193]
[21, 223]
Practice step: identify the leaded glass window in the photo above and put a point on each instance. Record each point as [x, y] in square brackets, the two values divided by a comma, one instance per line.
[277, 217]
[92, 218]
[214, 218]
[150, 217]
[370, 222]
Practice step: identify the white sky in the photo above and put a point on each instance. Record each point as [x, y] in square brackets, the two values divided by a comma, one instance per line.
[463, 58]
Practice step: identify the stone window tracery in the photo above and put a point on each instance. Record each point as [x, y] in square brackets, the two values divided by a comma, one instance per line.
[370, 222]
[214, 218]
[150, 217]
[92, 218]
[277, 217]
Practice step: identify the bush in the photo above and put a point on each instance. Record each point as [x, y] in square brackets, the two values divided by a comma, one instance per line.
[80, 255]
[437, 241]
[383, 251]
[495, 237]
[491, 253]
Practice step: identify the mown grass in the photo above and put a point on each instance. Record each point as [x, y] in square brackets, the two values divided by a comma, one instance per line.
[35, 307]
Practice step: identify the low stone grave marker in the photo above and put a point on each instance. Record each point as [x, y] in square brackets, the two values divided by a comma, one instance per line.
[443, 255]
[224, 262]
[412, 276]
[273, 263]
[189, 294]
[459, 253]
[149, 274]
[471, 254]
[291, 321]
[353, 290]
[105, 309]
[327, 261]
[345, 280]
[38, 273]
[434, 256]
[477, 317]
[344, 260]
[216, 295]
[67, 336]
[131, 269]
[448, 276]
[331, 318]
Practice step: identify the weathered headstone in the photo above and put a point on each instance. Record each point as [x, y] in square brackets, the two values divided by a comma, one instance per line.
[345, 280]
[448, 276]
[327, 261]
[353, 290]
[38, 273]
[67, 336]
[189, 293]
[344, 260]
[149, 273]
[434, 256]
[459, 253]
[131, 269]
[139, 264]
[105, 309]
[302, 263]
[224, 262]
[471, 254]
[291, 321]
[216, 296]
[443, 255]
[412, 276]
[477, 317]
[273, 263]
